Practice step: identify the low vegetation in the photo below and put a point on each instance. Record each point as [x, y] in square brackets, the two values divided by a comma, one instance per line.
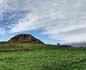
[41, 57]
[24, 47]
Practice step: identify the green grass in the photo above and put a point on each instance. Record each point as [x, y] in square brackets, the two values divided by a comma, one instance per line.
[43, 59]
[24, 46]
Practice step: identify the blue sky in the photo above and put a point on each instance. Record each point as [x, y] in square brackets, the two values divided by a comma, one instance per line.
[51, 21]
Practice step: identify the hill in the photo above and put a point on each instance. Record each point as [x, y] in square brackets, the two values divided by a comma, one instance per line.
[24, 38]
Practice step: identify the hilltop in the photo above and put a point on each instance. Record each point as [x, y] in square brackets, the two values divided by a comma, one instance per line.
[25, 38]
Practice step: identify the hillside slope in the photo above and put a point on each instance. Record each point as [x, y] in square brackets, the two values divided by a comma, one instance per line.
[24, 38]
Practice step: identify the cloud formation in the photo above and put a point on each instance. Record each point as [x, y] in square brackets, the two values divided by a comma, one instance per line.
[59, 19]
[2, 31]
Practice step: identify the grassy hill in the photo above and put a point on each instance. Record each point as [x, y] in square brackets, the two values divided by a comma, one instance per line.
[41, 57]
[24, 46]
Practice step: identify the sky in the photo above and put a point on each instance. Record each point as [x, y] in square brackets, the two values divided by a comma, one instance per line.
[52, 21]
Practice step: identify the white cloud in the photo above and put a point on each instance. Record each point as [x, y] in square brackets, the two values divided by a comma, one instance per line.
[59, 19]
[26, 24]
[2, 31]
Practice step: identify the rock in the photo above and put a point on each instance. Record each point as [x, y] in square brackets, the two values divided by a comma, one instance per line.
[24, 38]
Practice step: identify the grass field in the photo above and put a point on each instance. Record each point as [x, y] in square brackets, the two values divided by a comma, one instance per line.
[41, 59]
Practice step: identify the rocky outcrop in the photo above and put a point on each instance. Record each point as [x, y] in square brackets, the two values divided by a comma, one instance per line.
[24, 38]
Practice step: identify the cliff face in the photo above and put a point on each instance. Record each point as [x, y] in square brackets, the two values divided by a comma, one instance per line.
[25, 38]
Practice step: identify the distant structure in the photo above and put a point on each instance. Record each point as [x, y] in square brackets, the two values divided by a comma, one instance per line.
[58, 44]
[24, 38]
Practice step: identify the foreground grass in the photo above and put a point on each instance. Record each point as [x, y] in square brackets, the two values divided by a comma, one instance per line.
[50, 59]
